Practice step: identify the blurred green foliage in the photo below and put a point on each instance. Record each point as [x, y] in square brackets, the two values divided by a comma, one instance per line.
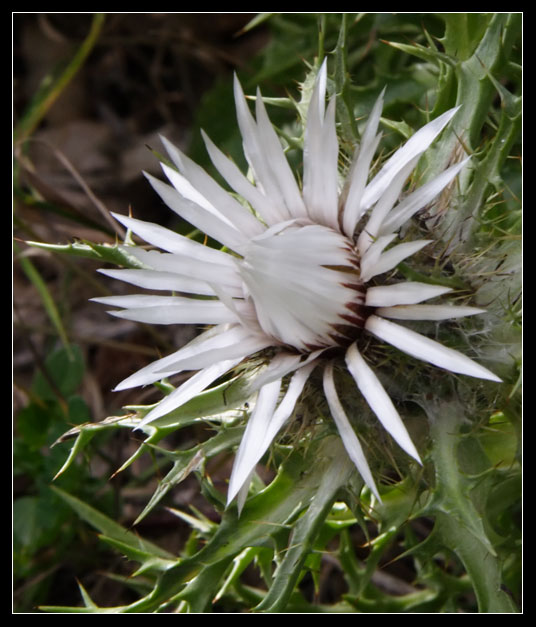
[45, 529]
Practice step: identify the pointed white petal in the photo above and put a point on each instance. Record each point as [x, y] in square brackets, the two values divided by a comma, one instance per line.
[205, 221]
[178, 273]
[256, 155]
[271, 429]
[278, 161]
[407, 293]
[222, 274]
[390, 259]
[427, 312]
[188, 390]
[353, 209]
[372, 254]
[168, 310]
[173, 242]
[188, 192]
[381, 209]
[321, 85]
[414, 147]
[248, 345]
[347, 433]
[263, 205]
[251, 447]
[186, 189]
[216, 337]
[287, 404]
[418, 199]
[320, 154]
[379, 401]
[426, 349]
[242, 495]
[135, 301]
[281, 365]
[158, 280]
[213, 198]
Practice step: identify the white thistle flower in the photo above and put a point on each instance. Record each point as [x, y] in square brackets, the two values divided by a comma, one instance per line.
[294, 275]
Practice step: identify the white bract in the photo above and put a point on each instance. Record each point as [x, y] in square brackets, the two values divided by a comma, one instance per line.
[294, 275]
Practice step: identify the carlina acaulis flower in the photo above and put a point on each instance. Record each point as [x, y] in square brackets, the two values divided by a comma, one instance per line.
[293, 275]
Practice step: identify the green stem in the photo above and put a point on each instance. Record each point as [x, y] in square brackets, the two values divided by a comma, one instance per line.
[46, 298]
[51, 91]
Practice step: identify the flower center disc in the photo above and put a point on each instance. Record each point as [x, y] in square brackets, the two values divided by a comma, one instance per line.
[305, 284]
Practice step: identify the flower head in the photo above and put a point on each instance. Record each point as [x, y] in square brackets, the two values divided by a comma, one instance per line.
[297, 274]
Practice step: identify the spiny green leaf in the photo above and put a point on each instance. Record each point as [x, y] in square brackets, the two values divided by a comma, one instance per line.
[88, 601]
[83, 439]
[149, 562]
[483, 569]
[110, 528]
[199, 522]
[260, 18]
[422, 52]
[345, 112]
[188, 461]
[264, 515]
[307, 528]
[460, 526]
[105, 253]
[240, 563]
[217, 401]
[463, 32]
